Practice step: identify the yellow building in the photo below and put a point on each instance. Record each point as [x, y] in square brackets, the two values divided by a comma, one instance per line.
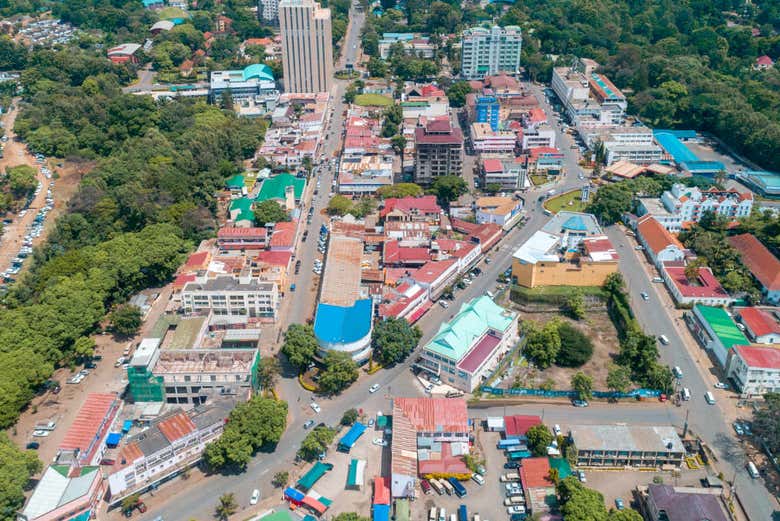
[569, 251]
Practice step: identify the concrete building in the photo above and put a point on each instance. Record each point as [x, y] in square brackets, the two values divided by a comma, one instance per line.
[761, 262]
[704, 289]
[228, 295]
[761, 325]
[412, 44]
[755, 369]
[668, 503]
[538, 488]
[715, 330]
[438, 151]
[487, 110]
[633, 143]
[503, 211]
[683, 204]
[486, 140]
[627, 446]
[570, 250]
[660, 245]
[486, 52]
[169, 445]
[268, 10]
[590, 99]
[469, 347]
[307, 46]
[364, 175]
[505, 170]
[544, 160]
[253, 81]
[64, 491]
[537, 136]
[430, 437]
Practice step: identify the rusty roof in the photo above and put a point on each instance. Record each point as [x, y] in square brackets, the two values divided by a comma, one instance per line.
[176, 427]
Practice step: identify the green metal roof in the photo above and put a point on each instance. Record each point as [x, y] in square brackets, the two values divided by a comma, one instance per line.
[279, 515]
[472, 321]
[274, 187]
[237, 181]
[244, 206]
[723, 326]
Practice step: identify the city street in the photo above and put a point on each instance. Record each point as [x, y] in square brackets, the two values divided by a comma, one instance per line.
[658, 317]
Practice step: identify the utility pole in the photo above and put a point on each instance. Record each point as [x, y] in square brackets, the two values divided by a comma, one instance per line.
[685, 426]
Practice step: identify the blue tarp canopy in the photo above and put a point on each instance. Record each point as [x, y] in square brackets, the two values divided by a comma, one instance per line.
[127, 425]
[352, 435]
[381, 513]
[294, 494]
[113, 439]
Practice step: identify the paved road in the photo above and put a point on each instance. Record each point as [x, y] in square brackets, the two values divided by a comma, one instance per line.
[658, 318]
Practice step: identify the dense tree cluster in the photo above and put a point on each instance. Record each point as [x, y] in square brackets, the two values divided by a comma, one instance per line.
[252, 425]
[16, 467]
[579, 503]
[539, 438]
[399, 190]
[316, 442]
[339, 373]
[17, 185]
[300, 345]
[393, 339]
[766, 422]
[557, 342]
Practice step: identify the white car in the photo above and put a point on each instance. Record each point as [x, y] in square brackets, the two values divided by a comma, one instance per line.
[374, 388]
[557, 429]
[380, 442]
[721, 385]
[255, 497]
[40, 433]
[315, 407]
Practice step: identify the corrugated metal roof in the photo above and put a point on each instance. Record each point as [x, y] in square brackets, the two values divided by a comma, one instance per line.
[176, 427]
[88, 421]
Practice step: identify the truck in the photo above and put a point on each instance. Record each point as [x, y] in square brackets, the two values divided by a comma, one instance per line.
[459, 489]
[510, 476]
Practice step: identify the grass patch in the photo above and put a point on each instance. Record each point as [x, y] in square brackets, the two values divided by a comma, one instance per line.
[172, 12]
[555, 295]
[539, 180]
[570, 201]
[372, 100]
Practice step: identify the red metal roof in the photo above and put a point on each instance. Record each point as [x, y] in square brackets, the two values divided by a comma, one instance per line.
[425, 205]
[759, 322]
[437, 134]
[479, 353]
[395, 254]
[181, 280]
[492, 165]
[760, 357]
[283, 235]
[381, 490]
[86, 426]
[519, 424]
[759, 260]
[232, 232]
[447, 463]
[597, 245]
[176, 427]
[707, 287]
[314, 504]
[537, 115]
[197, 259]
[535, 473]
[655, 235]
[432, 270]
[434, 414]
[274, 258]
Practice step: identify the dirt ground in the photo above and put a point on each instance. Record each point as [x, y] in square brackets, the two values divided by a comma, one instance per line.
[599, 328]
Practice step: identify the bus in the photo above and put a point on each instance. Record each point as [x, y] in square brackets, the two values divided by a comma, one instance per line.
[459, 489]
[503, 444]
[448, 488]
[463, 514]
[752, 470]
[515, 456]
[437, 486]
[516, 448]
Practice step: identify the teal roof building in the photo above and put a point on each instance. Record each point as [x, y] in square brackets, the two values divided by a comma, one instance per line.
[241, 209]
[717, 331]
[276, 187]
[468, 347]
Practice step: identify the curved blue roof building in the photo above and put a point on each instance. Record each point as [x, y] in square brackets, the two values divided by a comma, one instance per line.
[346, 329]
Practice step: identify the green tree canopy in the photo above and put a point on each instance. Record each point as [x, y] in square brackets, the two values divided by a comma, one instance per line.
[399, 190]
[539, 438]
[448, 188]
[576, 347]
[316, 442]
[16, 468]
[126, 319]
[339, 373]
[393, 339]
[457, 93]
[300, 345]
[542, 345]
[270, 212]
[583, 384]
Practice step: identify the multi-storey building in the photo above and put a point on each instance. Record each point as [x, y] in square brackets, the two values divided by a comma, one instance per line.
[507, 171]
[668, 503]
[486, 52]
[307, 46]
[626, 446]
[633, 143]
[683, 204]
[438, 151]
[269, 10]
[412, 44]
[761, 262]
[590, 99]
[755, 369]
[227, 295]
[485, 139]
[487, 110]
[252, 81]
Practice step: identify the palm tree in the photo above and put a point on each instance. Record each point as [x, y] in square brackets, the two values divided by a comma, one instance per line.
[227, 506]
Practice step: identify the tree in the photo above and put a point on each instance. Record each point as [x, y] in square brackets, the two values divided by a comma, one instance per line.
[618, 379]
[576, 347]
[493, 188]
[583, 385]
[22, 180]
[226, 507]
[766, 421]
[539, 438]
[377, 68]
[130, 502]
[339, 373]
[457, 93]
[692, 269]
[448, 188]
[542, 345]
[350, 516]
[270, 212]
[339, 205]
[16, 468]
[226, 100]
[399, 145]
[575, 305]
[393, 339]
[84, 347]
[280, 479]
[349, 417]
[554, 475]
[614, 283]
[300, 345]
[399, 190]
[268, 370]
[126, 319]
[626, 514]
[316, 442]
[585, 505]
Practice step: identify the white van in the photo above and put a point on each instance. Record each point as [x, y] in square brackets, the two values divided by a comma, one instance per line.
[664, 339]
[432, 514]
[709, 398]
[686, 394]
[752, 470]
[479, 480]
[677, 372]
[657, 279]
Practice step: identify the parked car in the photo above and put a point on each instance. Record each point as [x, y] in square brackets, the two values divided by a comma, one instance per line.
[316, 408]
[581, 476]
[107, 462]
[511, 465]
[380, 442]
[619, 504]
[40, 433]
[580, 403]
[33, 445]
[308, 424]
[721, 385]
[738, 429]
[255, 497]
[374, 388]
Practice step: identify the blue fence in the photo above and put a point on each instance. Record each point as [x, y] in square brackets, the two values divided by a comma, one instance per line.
[642, 393]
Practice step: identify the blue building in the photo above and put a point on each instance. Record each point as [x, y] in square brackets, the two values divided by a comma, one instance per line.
[487, 108]
[254, 80]
[345, 329]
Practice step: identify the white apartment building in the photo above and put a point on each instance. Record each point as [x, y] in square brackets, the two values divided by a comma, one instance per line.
[228, 295]
[691, 203]
[538, 136]
[307, 46]
[269, 10]
[172, 443]
[590, 99]
[486, 52]
[484, 139]
[633, 143]
[755, 369]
